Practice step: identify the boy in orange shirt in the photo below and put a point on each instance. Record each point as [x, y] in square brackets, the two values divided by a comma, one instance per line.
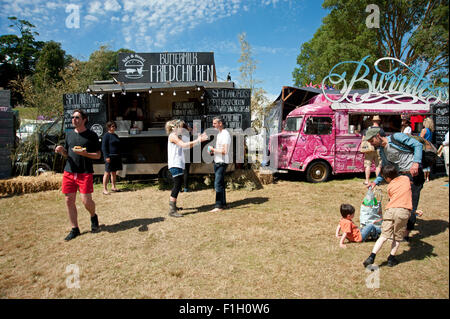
[396, 215]
[350, 230]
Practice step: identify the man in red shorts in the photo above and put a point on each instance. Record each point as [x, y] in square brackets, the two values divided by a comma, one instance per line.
[81, 147]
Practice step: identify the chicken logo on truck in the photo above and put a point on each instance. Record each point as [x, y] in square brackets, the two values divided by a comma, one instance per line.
[134, 67]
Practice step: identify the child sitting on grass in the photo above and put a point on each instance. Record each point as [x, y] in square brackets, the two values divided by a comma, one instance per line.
[396, 215]
[350, 230]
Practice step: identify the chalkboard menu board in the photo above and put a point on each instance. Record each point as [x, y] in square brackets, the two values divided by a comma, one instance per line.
[7, 138]
[232, 104]
[441, 127]
[94, 107]
[187, 111]
[166, 67]
[5, 98]
[441, 123]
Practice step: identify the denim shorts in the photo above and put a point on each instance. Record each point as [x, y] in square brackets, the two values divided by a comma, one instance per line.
[176, 171]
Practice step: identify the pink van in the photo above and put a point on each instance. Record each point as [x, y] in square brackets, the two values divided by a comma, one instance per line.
[323, 137]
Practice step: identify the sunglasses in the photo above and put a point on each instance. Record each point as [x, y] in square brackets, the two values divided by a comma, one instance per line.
[76, 117]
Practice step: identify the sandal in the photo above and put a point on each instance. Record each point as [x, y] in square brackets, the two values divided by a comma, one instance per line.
[106, 193]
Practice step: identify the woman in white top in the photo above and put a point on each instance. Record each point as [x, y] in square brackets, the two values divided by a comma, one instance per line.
[406, 126]
[176, 160]
[443, 149]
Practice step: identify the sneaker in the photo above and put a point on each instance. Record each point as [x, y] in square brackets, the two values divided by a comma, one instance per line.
[94, 223]
[175, 214]
[216, 210]
[73, 233]
[392, 261]
[369, 261]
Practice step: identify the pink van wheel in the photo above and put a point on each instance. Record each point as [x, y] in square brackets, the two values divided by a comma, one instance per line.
[317, 172]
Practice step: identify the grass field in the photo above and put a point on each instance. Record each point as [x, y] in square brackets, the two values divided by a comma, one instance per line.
[275, 242]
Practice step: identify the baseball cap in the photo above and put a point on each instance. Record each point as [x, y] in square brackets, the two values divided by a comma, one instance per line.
[371, 132]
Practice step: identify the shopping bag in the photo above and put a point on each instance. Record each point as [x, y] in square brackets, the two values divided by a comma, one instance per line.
[370, 212]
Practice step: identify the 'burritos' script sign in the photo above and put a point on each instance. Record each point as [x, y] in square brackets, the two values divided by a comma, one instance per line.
[386, 87]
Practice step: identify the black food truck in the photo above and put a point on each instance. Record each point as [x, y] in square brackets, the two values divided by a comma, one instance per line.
[148, 90]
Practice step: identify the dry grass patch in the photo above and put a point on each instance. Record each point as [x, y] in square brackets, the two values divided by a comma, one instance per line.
[273, 242]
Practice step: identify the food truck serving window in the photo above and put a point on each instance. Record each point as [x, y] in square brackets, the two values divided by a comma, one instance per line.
[318, 125]
[293, 123]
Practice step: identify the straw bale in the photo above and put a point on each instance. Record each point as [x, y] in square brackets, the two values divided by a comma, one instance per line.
[241, 178]
[265, 176]
[30, 184]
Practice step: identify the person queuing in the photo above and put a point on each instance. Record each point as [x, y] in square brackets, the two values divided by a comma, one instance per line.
[221, 161]
[373, 156]
[406, 126]
[176, 161]
[427, 133]
[406, 156]
[443, 149]
[112, 157]
[81, 147]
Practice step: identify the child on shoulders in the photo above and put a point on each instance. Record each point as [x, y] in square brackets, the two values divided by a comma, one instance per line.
[350, 230]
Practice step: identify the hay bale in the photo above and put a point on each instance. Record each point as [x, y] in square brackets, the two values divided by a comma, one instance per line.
[265, 176]
[243, 178]
[31, 184]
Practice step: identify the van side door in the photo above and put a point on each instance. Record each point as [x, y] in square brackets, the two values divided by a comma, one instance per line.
[316, 141]
[288, 139]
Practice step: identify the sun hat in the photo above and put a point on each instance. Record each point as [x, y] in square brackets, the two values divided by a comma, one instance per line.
[371, 132]
[376, 118]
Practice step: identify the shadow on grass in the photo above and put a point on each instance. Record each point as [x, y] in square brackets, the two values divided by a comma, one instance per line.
[418, 249]
[142, 223]
[243, 203]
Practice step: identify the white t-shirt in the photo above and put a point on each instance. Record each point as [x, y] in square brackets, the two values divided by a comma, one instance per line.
[175, 155]
[222, 139]
[407, 130]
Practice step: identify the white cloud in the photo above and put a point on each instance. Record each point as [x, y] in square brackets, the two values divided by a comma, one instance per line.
[112, 5]
[53, 5]
[138, 20]
[95, 7]
[91, 18]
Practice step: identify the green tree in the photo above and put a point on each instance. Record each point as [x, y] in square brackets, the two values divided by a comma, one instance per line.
[19, 52]
[414, 31]
[44, 90]
[100, 63]
[52, 60]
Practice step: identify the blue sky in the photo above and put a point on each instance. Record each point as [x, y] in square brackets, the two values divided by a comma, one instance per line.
[275, 29]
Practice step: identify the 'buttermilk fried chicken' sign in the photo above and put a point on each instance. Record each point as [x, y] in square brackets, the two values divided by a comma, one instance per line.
[166, 67]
